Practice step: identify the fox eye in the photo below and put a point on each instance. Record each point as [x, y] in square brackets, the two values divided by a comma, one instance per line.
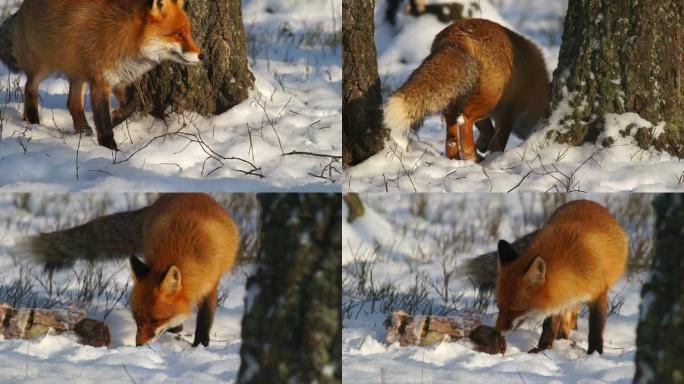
[179, 34]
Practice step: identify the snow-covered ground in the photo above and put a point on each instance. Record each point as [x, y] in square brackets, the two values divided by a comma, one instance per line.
[395, 253]
[294, 52]
[58, 359]
[537, 164]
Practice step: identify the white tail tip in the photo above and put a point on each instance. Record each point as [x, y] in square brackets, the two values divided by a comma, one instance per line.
[397, 120]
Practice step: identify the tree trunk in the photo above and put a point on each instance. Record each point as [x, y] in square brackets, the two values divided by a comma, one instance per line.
[619, 57]
[220, 82]
[291, 331]
[355, 206]
[660, 334]
[362, 131]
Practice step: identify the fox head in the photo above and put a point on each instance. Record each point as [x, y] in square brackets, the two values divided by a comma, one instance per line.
[157, 302]
[168, 33]
[517, 288]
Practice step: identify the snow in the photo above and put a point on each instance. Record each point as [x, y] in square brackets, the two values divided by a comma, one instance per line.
[403, 243]
[56, 359]
[539, 163]
[295, 54]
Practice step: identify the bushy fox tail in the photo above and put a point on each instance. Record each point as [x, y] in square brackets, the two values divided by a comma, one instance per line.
[448, 74]
[109, 237]
[6, 50]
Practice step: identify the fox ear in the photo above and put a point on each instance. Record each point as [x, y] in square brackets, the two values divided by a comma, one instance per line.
[172, 281]
[506, 252]
[157, 8]
[140, 269]
[536, 273]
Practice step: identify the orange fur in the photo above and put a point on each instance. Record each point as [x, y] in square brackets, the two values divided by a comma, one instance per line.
[194, 234]
[568, 322]
[479, 69]
[106, 43]
[576, 257]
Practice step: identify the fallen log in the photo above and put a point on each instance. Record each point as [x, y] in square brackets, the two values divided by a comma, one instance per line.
[427, 330]
[31, 323]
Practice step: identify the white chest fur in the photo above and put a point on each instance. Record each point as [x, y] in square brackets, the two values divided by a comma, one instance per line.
[151, 54]
[129, 70]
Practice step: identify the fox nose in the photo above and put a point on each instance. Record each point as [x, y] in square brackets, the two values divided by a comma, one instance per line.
[201, 56]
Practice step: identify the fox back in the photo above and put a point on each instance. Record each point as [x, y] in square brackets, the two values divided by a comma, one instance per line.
[112, 40]
[577, 256]
[479, 69]
[189, 242]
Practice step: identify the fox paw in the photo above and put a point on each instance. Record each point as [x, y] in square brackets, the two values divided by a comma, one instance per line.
[108, 142]
[85, 131]
[204, 340]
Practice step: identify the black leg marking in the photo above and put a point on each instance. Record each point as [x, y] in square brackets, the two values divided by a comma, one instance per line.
[103, 120]
[205, 319]
[549, 332]
[598, 311]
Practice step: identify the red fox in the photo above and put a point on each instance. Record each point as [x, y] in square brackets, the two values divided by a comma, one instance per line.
[105, 43]
[575, 258]
[188, 242]
[476, 69]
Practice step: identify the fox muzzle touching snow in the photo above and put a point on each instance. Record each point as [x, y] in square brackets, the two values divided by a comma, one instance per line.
[574, 259]
[477, 71]
[107, 44]
[155, 304]
[188, 242]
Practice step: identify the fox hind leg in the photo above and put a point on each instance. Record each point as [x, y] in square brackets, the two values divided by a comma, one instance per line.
[451, 146]
[103, 120]
[205, 318]
[568, 323]
[466, 140]
[31, 96]
[75, 105]
[598, 311]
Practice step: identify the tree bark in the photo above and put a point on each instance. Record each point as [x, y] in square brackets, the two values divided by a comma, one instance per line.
[362, 130]
[660, 334]
[220, 82]
[355, 206]
[291, 331]
[424, 330]
[619, 57]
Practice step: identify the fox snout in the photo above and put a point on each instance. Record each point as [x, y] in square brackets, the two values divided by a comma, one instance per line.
[508, 322]
[148, 332]
[190, 53]
[503, 323]
[144, 334]
[184, 50]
